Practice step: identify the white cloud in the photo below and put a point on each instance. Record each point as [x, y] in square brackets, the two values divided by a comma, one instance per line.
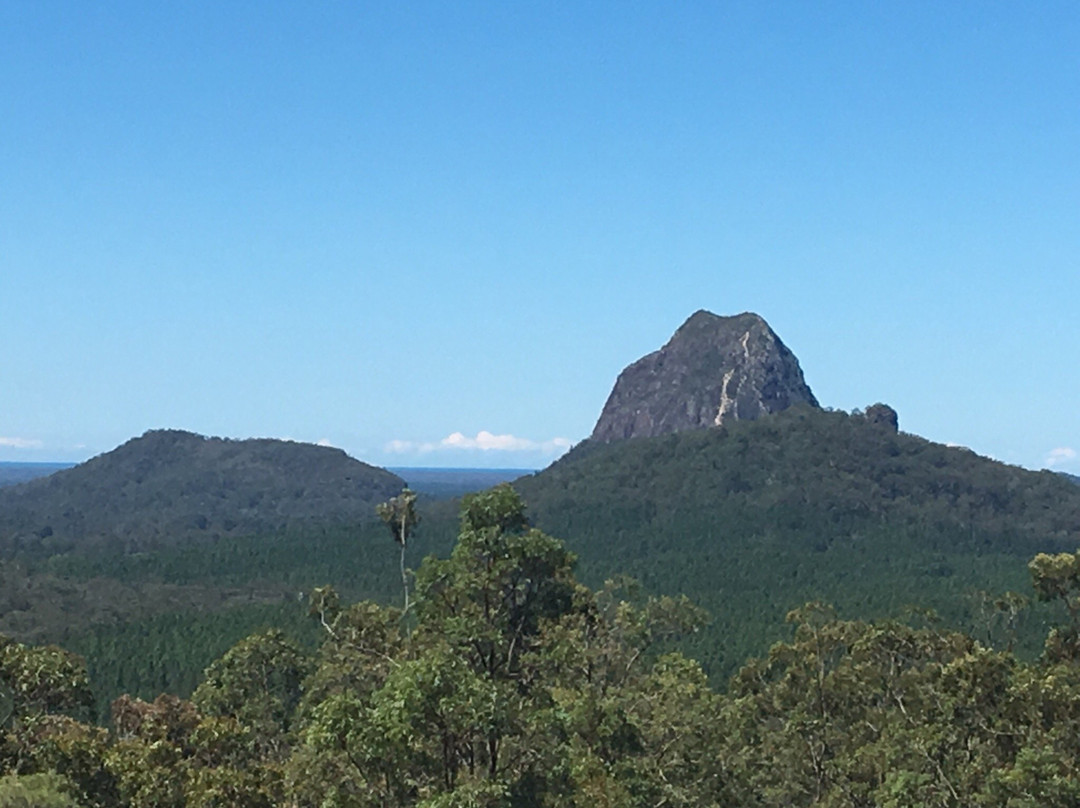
[20, 443]
[484, 441]
[323, 442]
[1061, 456]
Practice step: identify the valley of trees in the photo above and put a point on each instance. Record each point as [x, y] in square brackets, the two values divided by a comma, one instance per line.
[510, 683]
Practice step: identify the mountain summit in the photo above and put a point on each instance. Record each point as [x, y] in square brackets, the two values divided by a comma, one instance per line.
[713, 370]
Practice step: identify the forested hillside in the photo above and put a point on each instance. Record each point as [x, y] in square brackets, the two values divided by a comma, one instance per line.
[750, 520]
[509, 684]
[754, 518]
[169, 485]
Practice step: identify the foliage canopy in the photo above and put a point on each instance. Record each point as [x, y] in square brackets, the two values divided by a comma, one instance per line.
[512, 684]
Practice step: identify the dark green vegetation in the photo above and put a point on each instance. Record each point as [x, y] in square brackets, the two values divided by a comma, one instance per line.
[155, 557]
[755, 518]
[151, 621]
[13, 473]
[168, 486]
[749, 520]
[508, 683]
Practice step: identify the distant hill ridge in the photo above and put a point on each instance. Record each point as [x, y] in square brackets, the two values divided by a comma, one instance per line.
[712, 371]
[169, 484]
[13, 473]
[825, 474]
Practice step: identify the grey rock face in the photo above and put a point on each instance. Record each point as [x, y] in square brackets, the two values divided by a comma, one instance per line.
[713, 369]
[883, 414]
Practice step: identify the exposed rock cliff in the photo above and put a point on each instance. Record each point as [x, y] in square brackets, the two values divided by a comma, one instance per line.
[713, 369]
[884, 415]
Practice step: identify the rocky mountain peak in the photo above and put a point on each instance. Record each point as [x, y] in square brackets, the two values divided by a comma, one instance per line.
[712, 370]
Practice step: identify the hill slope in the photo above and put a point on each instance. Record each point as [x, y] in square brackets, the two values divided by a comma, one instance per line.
[168, 485]
[754, 518]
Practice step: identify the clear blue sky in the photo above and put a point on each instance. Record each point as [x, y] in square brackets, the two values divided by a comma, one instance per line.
[384, 224]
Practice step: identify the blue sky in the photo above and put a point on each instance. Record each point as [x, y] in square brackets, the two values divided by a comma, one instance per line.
[433, 234]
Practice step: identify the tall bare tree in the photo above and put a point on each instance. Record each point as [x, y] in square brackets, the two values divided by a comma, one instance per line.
[399, 514]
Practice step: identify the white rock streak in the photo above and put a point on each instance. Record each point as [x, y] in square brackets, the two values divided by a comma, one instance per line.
[725, 401]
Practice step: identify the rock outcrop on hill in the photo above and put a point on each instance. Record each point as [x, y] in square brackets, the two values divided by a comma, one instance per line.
[713, 370]
[168, 485]
[884, 415]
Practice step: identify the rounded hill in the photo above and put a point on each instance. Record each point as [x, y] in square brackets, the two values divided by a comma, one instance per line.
[169, 484]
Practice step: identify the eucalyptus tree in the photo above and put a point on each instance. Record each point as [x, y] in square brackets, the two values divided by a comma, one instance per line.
[517, 686]
[401, 517]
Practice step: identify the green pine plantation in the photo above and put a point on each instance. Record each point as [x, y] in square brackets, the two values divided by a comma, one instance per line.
[749, 521]
[508, 683]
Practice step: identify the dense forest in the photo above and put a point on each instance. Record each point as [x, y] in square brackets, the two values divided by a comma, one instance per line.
[750, 521]
[753, 519]
[168, 486]
[507, 682]
[152, 621]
